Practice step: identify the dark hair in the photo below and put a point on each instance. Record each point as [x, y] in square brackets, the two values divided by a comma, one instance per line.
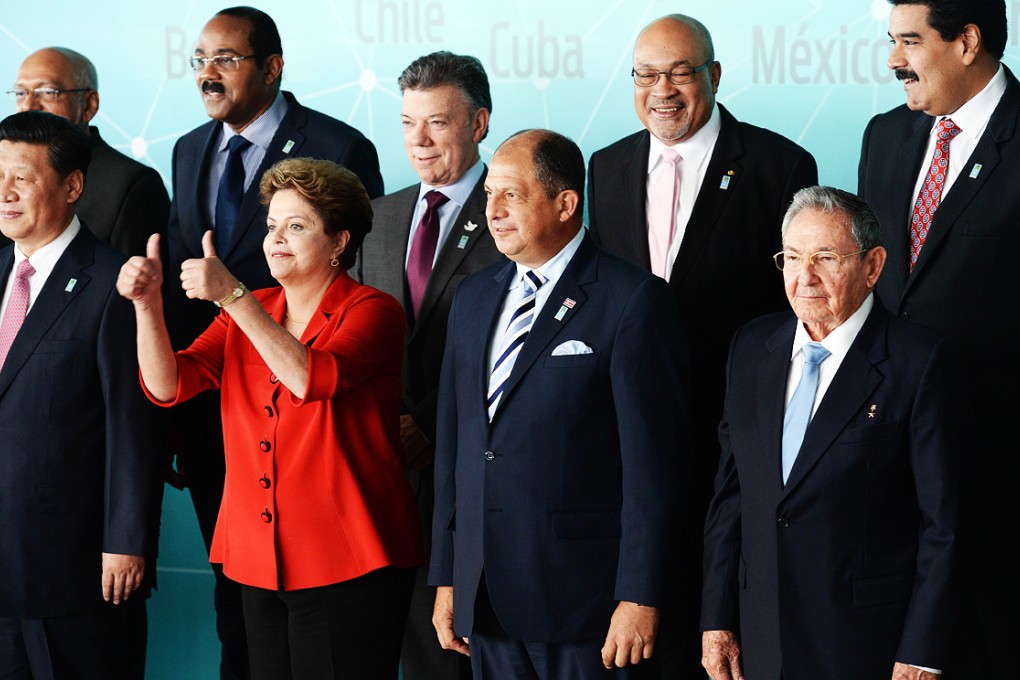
[949, 17]
[334, 192]
[264, 36]
[559, 163]
[68, 144]
[865, 229]
[464, 72]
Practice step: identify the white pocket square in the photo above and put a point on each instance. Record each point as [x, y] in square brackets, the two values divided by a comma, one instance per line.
[571, 347]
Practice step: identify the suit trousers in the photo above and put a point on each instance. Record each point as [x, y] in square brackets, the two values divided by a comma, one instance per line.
[497, 656]
[82, 646]
[350, 630]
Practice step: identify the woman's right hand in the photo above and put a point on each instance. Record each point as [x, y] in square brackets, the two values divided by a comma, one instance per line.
[141, 278]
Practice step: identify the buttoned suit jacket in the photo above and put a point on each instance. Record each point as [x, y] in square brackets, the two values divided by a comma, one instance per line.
[965, 288]
[76, 454]
[723, 275]
[468, 249]
[302, 133]
[563, 501]
[123, 202]
[845, 569]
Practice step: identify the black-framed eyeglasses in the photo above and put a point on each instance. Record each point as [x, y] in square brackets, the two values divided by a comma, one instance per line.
[678, 76]
[824, 260]
[44, 94]
[221, 62]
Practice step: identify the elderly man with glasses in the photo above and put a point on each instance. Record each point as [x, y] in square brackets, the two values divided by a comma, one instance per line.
[124, 201]
[697, 198]
[238, 63]
[831, 538]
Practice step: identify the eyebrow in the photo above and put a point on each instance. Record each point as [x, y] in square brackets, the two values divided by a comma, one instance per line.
[683, 62]
[220, 50]
[905, 34]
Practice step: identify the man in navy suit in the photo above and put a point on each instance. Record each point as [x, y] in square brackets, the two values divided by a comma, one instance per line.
[733, 182]
[76, 455]
[830, 540]
[238, 64]
[961, 281]
[560, 453]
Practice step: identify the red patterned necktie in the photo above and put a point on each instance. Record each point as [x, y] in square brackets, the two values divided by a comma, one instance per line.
[931, 191]
[423, 249]
[17, 308]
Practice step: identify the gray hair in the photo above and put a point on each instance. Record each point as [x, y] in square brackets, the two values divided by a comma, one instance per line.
[83, 71]
[704, 37]
[864, 226]
[464, 72]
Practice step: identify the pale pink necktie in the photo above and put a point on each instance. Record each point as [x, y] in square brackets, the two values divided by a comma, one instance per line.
[17, 308]
[662, 211]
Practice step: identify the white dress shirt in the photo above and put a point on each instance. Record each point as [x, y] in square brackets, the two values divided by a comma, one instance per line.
[43, 261]
[694, 156]
[458, 193]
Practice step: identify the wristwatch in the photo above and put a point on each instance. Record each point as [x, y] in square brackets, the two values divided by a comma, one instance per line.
[234, 294]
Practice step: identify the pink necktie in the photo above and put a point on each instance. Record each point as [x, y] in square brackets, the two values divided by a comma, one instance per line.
[423, 249]
[662, 211]
[931, 191]
[17, 309]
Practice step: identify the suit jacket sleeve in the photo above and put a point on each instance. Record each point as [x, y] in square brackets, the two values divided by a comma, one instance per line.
[145, 211]
[130, 451]
[360, 157]
[862, 167]
[649, 372]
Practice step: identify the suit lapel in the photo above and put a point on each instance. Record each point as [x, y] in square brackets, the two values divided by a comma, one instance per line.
[580, 271]
[52, 301]
[486, 313]
[461, 239]
[634, 175]
[773, 372]
[712, 197]
[986, 154]
[855, 380]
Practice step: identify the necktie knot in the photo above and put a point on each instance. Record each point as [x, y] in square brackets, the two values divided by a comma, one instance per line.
[814, 353]
[533, 280]
[434, 199]
[670, 156]
[237, 144]
[948, 130]
[24, 270]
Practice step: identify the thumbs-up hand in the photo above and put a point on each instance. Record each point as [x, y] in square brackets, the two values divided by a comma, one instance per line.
[141, 278]
[207, 278]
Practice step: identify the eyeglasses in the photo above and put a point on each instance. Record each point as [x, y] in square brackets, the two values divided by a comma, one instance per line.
[680, 76]
[45, 94]
[824, 260]
[221, 62]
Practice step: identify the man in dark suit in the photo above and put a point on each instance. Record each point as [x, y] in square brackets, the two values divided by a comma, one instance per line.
[76, 453]
[830, 539]
[124, 201]
[560, 449]
[238, 65]
[713, 231]
[419, 255]
[951, 269]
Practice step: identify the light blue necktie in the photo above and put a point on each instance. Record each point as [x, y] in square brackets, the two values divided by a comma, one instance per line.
[798, 411]
[514, 336]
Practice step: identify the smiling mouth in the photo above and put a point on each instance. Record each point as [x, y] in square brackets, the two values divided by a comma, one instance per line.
[908, 77]
[210, 87]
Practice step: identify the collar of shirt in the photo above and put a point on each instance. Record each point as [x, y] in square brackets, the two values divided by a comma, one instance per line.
[260, 132]
[44, 260]
[458, 193]
[838, 343]
[694, 151]
[974, 115]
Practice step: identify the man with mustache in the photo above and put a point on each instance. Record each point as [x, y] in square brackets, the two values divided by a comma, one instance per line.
[238, 65]
[941, 173]
[697, 197]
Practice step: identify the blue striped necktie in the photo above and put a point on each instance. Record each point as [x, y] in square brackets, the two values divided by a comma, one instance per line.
[516, 333]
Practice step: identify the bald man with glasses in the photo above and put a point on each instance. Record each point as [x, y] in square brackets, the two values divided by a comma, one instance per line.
[124, 200]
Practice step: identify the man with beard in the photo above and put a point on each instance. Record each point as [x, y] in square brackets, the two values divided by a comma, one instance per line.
[941, 173]
[238, 65]
[697, 197]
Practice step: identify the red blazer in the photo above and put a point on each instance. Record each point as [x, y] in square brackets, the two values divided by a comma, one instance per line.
[315, 492]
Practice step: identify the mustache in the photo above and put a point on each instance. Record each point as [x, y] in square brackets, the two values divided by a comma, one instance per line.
[212, 86]
[668, 102]
[904, 74]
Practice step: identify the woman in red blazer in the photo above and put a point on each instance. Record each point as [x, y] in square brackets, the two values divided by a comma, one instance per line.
[318, 522]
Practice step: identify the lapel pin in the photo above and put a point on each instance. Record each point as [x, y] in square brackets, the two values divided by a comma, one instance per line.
[725, 183]
[975, 171]
[288, 146]
[567, 302]
[872, 410]
[561, 313]
[463, 241]
[470, 226]
[70, 285]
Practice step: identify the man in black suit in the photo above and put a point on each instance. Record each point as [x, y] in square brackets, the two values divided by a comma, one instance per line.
[238, 64]
[951, 235]
[830, 541]
[76, 454]
[712, 218]
[445, 115]
[124, 201]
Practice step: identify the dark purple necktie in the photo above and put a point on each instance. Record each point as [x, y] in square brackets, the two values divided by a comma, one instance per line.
[423, 249]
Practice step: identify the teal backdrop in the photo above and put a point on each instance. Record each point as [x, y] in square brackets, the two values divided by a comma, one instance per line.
[813, 70]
